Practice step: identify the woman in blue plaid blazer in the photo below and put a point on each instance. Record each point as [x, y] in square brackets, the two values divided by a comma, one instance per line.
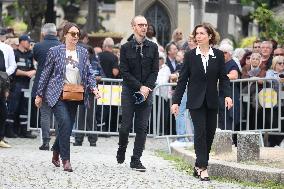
[65, 64]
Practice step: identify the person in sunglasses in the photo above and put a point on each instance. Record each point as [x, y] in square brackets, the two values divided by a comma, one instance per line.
[139, 65]
[66, 64]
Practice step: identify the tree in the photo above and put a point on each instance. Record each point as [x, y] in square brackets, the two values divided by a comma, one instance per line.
[270, 26]
[92, 19]
[34, 14]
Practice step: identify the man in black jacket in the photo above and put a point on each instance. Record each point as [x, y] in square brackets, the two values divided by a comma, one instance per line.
[139, 64]
[40, 49]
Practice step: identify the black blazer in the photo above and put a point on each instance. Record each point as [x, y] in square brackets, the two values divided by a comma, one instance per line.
[202, 85]
[169, 64]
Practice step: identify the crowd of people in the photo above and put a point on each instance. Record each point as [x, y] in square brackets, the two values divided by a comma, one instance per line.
[24, 60]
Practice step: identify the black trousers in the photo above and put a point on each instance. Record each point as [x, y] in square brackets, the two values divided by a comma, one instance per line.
[141, 114]
[205, 122]
[3, 116]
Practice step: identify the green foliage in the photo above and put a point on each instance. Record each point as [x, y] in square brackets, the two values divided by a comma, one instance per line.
[247, 42]
[271, 27]
[7, 20]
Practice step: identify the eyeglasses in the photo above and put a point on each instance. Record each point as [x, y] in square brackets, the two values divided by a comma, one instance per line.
[142, 25]
[74, 34]
[280, 63]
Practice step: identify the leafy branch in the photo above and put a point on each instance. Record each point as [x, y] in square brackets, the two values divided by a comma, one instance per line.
[271, 27]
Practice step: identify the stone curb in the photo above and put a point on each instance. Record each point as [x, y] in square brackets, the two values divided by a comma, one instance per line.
[251, 173]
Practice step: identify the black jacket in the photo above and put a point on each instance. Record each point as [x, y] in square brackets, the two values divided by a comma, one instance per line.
[202, 86]
[169, 64]
[139, 70]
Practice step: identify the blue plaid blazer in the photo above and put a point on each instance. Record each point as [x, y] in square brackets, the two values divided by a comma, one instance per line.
[51, 81]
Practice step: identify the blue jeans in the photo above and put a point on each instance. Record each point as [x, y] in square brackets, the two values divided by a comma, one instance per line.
[181, 120]
[65, 113]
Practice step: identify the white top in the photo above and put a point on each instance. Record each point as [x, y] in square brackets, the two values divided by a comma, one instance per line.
[9, 56]
[72, 75]
[205, 58]
[163, 77]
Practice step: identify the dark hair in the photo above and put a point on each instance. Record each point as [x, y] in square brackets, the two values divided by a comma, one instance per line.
[67, 27]
[243, 60]
[256, 41]
[210, 30]
[274, 44]
[168, 46]
[154, 30]
[83, 34]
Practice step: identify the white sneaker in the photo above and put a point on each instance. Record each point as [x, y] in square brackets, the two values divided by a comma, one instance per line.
[4, 144]
[72, 139]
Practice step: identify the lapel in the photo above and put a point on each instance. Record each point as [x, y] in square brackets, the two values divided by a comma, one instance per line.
[169, 63]
[212, 62]
[61, 60]
[198, 62]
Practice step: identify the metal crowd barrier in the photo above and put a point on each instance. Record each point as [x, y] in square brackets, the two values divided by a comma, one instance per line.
[254, 108]
[107, 111]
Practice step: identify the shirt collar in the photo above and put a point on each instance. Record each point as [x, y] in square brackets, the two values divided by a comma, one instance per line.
[198, 51]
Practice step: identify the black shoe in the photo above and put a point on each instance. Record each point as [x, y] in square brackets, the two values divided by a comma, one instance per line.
[76, 143]
[27, 135]
[120, 156]
[9, 133]
[196, 172]
[44, 147]
[93, 144]
[136, 164]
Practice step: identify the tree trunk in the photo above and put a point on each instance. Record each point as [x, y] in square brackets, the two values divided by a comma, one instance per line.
[34, 13]
[50, 15]
[92, 20]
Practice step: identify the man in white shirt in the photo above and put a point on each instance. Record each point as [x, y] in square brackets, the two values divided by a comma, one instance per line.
[8, 65]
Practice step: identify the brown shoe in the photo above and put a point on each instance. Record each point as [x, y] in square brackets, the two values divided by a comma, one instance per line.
[55, 159]
[67, 165]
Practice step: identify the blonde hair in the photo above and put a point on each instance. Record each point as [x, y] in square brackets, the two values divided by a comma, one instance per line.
[175, 35]
[255, 54]
[275, 60]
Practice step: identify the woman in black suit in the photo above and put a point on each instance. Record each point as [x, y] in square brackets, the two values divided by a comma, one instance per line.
[203, 67]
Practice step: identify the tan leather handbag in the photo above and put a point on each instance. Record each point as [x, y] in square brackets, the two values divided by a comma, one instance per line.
[72, 92]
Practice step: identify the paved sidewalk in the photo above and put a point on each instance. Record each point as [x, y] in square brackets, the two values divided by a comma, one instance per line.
[24, 166]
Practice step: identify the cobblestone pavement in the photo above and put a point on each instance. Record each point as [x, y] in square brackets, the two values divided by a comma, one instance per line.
[24, 166]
